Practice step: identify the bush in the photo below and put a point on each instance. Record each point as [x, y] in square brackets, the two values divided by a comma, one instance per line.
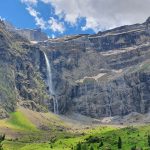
[84, 147]
[92, 139]
[91, 148]
[78, 146]
[148, 140]
[101, 144]
[119, 143]
[2, 138]
[133, 148]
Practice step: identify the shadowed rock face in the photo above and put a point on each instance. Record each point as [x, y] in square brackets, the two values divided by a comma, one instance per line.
[105, 74]
[20, 78]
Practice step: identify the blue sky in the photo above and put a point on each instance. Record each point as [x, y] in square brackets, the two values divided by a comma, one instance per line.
[16, 13]
[64, 17]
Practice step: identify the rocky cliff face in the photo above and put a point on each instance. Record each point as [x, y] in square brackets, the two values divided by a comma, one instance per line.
[20, 79]
[32, 35]
[29, 34]
[105, 74]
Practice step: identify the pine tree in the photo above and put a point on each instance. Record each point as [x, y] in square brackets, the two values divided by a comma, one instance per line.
[91, 148]
[2, 138]
[1, 147]
[133, 148]
[79, 146]
[101, 144]
[119, 143]
[148, 140]
[84, 147]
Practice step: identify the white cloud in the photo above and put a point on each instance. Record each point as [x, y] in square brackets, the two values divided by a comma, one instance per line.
[52, 23]
[30, 2]
[102, 14]
[53, 36]
[91, 23]
[32, 11]
[56, 26]
[39, 21]
[98, 14]
[1, 18]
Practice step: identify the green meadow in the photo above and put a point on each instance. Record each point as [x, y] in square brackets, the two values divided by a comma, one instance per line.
[97, 138]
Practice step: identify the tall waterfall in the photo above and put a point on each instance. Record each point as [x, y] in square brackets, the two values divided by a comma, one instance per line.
[50, 84]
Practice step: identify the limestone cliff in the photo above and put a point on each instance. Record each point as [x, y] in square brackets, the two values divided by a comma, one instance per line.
[105, 74]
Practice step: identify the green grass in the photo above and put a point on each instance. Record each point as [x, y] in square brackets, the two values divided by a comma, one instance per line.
[8, 145]
[131, 136]
[11, 145]
[64, 140]
[34, 139]
[20, 121]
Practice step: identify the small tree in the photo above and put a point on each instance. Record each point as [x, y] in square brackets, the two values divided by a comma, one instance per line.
[79, 146]
[1, 147]
[148, 140]
[101, 144]
[133, 148]
[84, 147]
[2, 138]
[119, 143]
[71, 146]
[91, 148]
[51, 146]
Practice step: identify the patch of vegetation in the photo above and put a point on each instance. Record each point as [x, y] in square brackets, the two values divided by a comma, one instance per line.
[140, 67]
[130, 138]
[40, 89]
[93, 139]
[2, 138]
[145, 66]
[19, 120]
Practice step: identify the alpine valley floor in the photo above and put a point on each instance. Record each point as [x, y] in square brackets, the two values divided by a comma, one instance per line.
[30, 130]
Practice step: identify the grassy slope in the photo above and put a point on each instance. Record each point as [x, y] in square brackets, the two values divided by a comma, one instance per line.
[36, 139]
[19, 120]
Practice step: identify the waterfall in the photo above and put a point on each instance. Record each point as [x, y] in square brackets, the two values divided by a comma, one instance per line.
[50, 84]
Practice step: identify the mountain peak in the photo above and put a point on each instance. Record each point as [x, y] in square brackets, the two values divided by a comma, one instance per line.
[148, 20]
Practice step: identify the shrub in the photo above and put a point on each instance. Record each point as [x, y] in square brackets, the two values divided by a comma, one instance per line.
[119, 143]
[84, 147]
[78, 146]
[148, 140]
[91, 148]
[133, 148]
[92, 139]
[101, 144]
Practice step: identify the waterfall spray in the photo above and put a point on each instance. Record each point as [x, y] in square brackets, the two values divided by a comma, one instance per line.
[50, 84]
